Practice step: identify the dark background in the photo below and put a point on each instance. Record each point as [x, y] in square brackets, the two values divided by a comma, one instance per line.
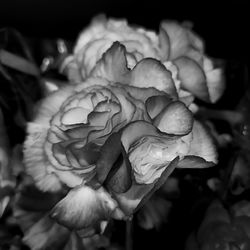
[224, 27]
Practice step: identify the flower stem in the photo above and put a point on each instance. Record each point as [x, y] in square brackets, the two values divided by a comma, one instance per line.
[129, 234]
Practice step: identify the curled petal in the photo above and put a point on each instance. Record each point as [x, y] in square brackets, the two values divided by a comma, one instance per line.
[113, 64]
[132, 200]
[192, 161]
[155, 104]
[215, 80]
[181, 38]
[202, 144]
[164, 43]
[84, 207]
[151, 73]
[175, 119]
[192, 78]
[134, 131]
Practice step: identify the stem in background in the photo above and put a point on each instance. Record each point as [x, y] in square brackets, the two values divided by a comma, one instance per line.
[18, 63]
[129, 234]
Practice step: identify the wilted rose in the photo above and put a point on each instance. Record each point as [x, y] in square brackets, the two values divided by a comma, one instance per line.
[176, 46]
[113, 141]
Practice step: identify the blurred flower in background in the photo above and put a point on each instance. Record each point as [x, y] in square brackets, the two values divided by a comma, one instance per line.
[176, 46]
[223, 229]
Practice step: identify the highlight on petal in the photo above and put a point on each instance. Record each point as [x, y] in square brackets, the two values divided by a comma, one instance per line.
[113, 64]
[215, 80]
[164, 43]
[202, 144]
[84, 207]
[175, 119]
[150, 151]
[152, 73]
[181, 38]
[192, 78]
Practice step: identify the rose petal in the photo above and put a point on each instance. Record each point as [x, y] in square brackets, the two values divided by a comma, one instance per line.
[119, 179]
[59, 152]
[164, 43]
[134, 131]
[109, 153]
[194, 162]
[155, 104]
[144, 93]
[83, 207]
[137, 195]
[75, 116]
[202, 144]
[192, 77]
[86, 155]
[215, 83]
[181, 39]
[113, 64]
[98, 118]
[152, 73]
[175, 119]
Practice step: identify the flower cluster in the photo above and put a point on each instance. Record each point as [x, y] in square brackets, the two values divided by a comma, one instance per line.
[179, 49]
[114, 135]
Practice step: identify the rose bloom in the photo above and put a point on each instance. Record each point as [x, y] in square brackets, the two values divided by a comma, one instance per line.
[112, 140]
[176, 46]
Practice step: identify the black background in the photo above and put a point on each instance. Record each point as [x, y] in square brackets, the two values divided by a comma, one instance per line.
[224, 26]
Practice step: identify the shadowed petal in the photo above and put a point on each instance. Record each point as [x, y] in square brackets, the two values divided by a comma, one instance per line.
[138, 194]
[109, 153]
[113, 64]
[155, 104]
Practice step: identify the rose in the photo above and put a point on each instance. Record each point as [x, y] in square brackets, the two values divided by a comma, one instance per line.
[91, 137]
[180, 50]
